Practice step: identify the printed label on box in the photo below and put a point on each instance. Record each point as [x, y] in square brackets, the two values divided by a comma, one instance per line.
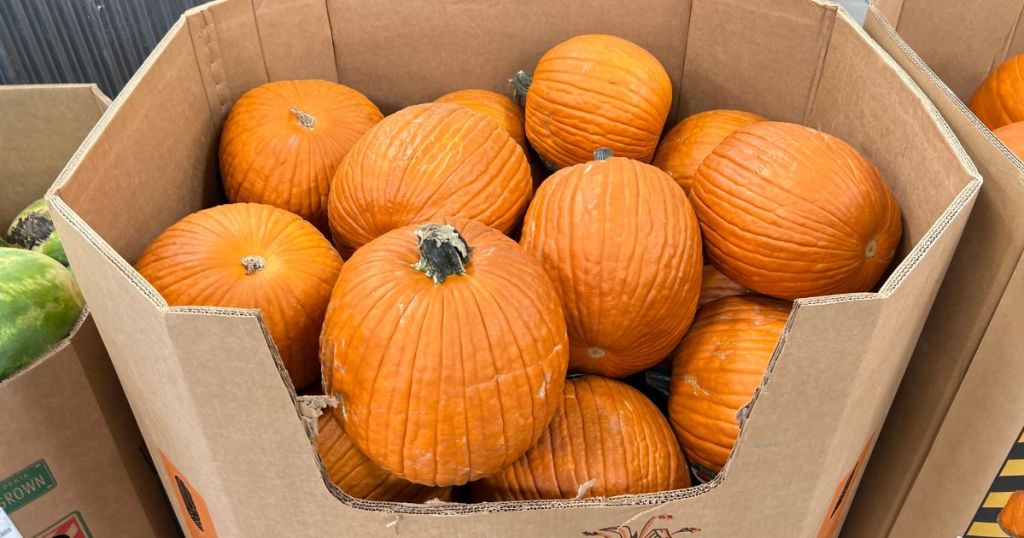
[197, 522]
[69, 526]
[25, 486]
[7, 528]
[1010, 479]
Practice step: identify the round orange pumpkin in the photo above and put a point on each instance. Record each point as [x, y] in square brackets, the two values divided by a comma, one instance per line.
[606, 439]
[714, 286]
[1011, 517]
[358, 476]
[282, 142]
[685, 146]
[446, 346]
[999, 100]
[427, 162]
[1012, 136]
[716, 370]
[251, 256]
[621, 244]
[792, 212]
[595, 91]
[500, 108]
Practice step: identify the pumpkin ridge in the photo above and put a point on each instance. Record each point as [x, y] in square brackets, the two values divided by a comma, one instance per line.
[413, 386]
[608, 101]
[598, 137]
[423, 152]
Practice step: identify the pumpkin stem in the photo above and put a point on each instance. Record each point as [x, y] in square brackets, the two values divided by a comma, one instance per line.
[521, 85]
[306, 120]
[253, 264]
[871, 249]
[443, 251]
[603, 154]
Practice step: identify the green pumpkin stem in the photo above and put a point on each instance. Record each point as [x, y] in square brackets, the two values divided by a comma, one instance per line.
[521, 86]
[443, 251]
[306, 120]
[603, 154]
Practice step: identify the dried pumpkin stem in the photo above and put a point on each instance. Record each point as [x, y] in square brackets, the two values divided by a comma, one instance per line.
[253, 264]
[603, 154]
[443, 251]
[521, 86]
[306, 120]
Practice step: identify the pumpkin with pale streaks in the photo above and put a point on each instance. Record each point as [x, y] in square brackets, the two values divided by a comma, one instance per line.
[691, 140]
[500, 108]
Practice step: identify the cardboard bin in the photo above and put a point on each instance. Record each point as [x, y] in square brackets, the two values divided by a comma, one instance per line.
[205, 384]
[72, 460]
[960, 408]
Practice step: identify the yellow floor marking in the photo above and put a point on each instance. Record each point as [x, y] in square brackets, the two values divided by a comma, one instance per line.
[1013, 468]
[997, 499]
[985, 530]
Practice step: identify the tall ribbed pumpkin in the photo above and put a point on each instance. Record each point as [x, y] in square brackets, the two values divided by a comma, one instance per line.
[427, 162]
[282, 142]
[358, 476]
[251, 256]
[792, 212]
[621, 244]
[715, 372]
[607, 439]
[595, 91]
[714, 286]
[999, 100]
[1011, 516]
[500, 108]
[1012, 136]
[685, 146]
[446, 346]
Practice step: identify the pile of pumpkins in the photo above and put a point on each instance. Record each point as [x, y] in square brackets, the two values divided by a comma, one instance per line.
[480, 326]
[40, 302]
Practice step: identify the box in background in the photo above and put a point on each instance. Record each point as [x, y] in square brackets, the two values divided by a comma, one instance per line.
[72, 461]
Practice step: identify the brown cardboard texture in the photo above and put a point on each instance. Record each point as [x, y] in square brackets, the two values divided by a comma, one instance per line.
[71, 455]
[959, 408]
[207, 387]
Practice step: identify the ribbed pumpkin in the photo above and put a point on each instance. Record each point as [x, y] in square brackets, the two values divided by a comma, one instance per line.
[282, 142]
[358, 476]
[715, 372]
[1012, 136]
[595, 91]
[607, 439]
[500, 108]
[792, 212]
[621, 244]
[999, 100]
[427, 162]
[251, 256]
[446, 346]
[714, 286]
[685, 146]
[1011, 517]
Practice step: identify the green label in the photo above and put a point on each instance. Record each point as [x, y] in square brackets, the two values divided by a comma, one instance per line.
[26, 486]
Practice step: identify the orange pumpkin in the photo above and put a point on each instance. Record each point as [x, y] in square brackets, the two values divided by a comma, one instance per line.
[607, 439]
[792, 212]
[999, 100]
[499, 107]
[621, 244]
[1011, 517]
[715, 372]
[1012, 136]
[714, 286]
[427, 162]
[446, 347]
[251, 256]
[282, 142]
[358, 476]
[685, 146]
[595, 91]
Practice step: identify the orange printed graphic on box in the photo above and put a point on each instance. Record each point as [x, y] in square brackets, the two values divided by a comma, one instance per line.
[842, 497]
[198, 522]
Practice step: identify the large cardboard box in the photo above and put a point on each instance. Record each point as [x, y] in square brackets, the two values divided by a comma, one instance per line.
[960, 408]
[72, 460]
[207, 387]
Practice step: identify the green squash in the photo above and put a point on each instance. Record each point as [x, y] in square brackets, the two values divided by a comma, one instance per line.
[33, 229]
[39, 305]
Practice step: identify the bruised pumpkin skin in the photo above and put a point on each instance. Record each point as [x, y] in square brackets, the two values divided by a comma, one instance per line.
[715, 372]
[622, 246]
[251, 256]
[1011, 517]
[1012, 136]
[792, 212]
[606, 432]
[999, 99]
[282, 142]
[595, 91]
[358, 476]
[426, 162]
[691, 140]
[448, 361]
[500, 108]
[714, 286]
